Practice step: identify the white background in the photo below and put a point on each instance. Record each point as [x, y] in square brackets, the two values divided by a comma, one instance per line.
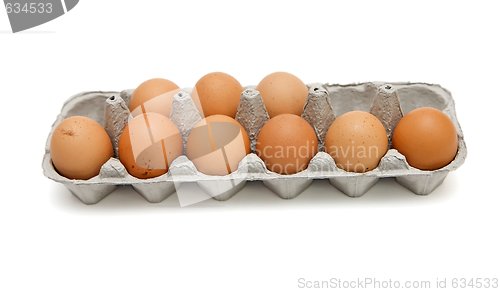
[49, 241]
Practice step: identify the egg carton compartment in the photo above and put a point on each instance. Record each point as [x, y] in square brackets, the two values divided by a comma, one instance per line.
[389, 102]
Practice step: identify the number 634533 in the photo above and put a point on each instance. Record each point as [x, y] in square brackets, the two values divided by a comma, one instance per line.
[29, 8]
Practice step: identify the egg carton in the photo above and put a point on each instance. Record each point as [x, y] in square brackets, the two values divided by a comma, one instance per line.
[389, 102]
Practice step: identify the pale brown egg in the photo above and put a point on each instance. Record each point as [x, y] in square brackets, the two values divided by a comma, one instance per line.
[283, 93]
[154, 95]
[218, 94]
[286, 143]
[356, 141]
[427, 138]
[79, 147]
[148, 145]
[217, 144]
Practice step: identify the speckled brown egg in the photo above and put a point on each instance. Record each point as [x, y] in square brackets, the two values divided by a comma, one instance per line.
[356, 141]
[154, 95]
[148, 144]
[283, 93]
[217, 144]
[79, 147]
[218, 94]
[286, 143]
[427, 138]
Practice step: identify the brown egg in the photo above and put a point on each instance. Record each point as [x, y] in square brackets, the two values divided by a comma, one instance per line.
[148, 144]
[217, 144]
[356, 141]
[283, 93]
[218, 94]
[154, 95]
[286, 143]
[427, 138]
[79, 147]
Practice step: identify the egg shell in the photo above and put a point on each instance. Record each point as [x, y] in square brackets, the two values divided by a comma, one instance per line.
[217, 144]
[79, 147]
[286, 143]
[148, 144]
[154, 95]
[357, 141]
[283, 93]
[427, 138]
[218, 93]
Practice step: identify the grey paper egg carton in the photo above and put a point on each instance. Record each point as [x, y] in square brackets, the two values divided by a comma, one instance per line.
[389, 102]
